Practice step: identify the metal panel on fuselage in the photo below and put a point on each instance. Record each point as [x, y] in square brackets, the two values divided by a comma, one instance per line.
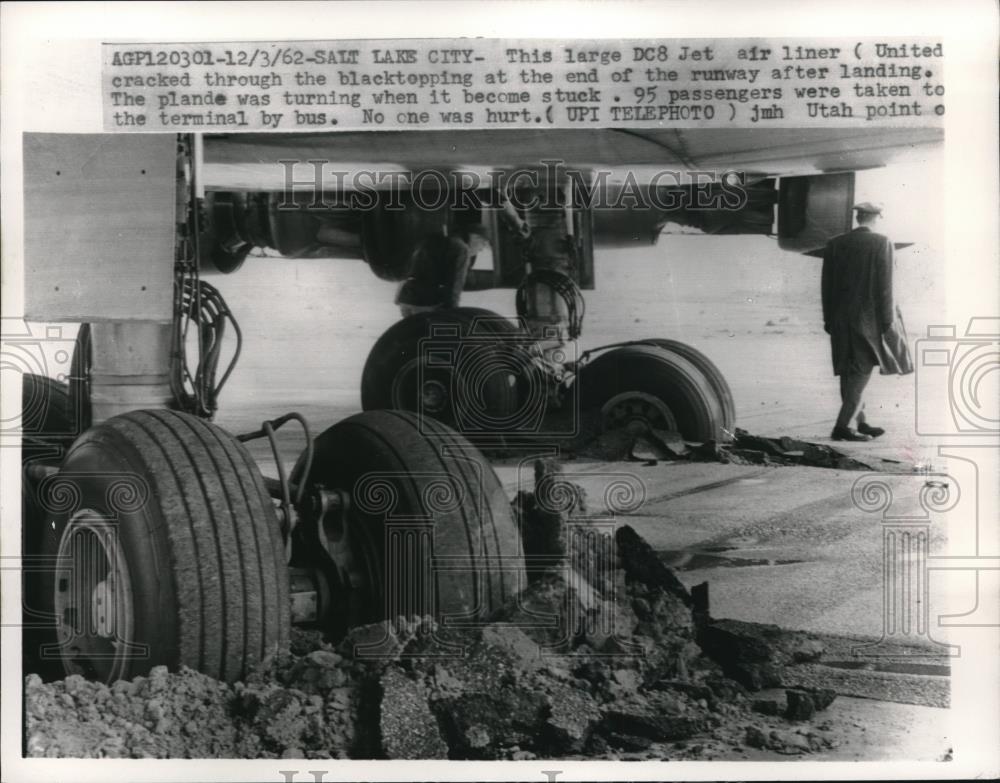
[99, 226]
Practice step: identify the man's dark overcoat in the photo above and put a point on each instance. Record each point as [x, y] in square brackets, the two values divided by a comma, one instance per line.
[858, 306]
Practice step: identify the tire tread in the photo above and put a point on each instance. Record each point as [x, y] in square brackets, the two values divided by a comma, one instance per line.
[231, 594]
[478, 530]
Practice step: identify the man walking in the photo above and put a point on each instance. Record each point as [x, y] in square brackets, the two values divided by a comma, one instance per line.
[860, 316]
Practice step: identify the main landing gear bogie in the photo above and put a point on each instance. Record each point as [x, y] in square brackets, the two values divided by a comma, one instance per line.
[170, 548]
[166, 546]
[652, 383]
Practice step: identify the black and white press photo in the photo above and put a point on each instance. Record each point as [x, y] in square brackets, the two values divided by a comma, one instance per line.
[553, 391]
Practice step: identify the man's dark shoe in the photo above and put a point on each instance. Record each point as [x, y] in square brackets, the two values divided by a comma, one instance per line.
[846, 433]
[874, 432]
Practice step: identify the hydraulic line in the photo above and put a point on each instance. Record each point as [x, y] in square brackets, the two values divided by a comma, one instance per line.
[197, 305]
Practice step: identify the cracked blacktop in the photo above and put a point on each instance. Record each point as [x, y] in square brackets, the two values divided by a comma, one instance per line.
[783, 545]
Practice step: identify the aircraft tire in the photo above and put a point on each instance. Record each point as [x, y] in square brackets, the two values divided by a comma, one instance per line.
[478, 398]
[166, 516]
[47, 429]
[711, 372]
[79, 377]
[649, 384]
[46, 413]
[397, 465]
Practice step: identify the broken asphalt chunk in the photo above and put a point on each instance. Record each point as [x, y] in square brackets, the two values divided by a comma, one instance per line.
[767, 706]
[641, 564]
[407, 725]
[647, 720]
[482, 725]
[572, 717]
[800, 705]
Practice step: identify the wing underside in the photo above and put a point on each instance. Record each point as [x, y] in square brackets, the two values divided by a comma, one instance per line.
[255, 161]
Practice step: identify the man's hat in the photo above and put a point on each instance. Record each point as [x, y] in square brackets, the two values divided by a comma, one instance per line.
[867, 206]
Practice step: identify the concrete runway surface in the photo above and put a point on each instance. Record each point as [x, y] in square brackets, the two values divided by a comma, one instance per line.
[777, 545]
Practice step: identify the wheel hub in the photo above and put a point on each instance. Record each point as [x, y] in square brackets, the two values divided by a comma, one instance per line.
[434, 396]
[103, 601]
[93, 599]
[420, 388]
[637, 412]
[331, 523]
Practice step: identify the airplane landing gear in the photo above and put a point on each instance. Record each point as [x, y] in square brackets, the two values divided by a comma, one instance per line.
[662, 384]
[404, 517]
[637, 411]
[168, 548]
[168, 551]
[707, 367]
[461, 367]
[643, 385]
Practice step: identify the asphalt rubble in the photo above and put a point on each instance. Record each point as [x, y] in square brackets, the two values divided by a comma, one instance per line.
[651, 446]
[603, 655]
